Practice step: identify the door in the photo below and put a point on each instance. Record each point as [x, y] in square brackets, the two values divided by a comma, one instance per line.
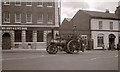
[111, 40]
[6, 41]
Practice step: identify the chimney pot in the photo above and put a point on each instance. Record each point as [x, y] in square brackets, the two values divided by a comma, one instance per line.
[107, 11]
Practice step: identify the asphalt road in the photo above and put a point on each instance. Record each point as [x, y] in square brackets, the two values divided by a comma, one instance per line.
[89, 60]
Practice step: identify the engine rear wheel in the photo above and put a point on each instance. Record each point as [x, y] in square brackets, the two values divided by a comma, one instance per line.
[73, 47]
[52, 49]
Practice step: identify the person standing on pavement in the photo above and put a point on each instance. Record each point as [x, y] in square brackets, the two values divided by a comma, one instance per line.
[103, 46]
[118, 46]
[112, 46]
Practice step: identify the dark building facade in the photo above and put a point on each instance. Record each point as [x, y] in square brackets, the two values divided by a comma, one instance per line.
[81, 21]
[29, 25]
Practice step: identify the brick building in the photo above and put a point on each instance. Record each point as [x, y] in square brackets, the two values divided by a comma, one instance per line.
[29, 25]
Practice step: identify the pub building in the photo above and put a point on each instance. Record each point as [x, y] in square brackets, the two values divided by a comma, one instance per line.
[28, 24]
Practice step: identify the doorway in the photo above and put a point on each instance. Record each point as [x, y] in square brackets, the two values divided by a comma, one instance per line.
[6, 41]
[111, 40]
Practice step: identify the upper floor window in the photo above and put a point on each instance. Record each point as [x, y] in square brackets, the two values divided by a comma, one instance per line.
[50, 4]
[6, 17]
[100, 24]
[111, 25]
[6, 2]
[29, 18]
[40, 18]
[28, 2]
[17, 18]
[40, 3]
[18, 2]
[50, 18]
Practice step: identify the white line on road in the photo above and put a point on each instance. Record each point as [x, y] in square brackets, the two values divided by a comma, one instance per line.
[116, 56]
[93, 58]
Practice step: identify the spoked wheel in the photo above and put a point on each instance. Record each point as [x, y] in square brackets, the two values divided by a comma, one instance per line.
[73, 47]
[52, 49]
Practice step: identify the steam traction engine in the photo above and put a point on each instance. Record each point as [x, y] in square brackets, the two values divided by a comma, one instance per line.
[70, 44]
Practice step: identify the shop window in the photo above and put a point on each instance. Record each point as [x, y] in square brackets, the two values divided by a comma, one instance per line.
[29, 36]
[39, 36]
[119, 39]
[100, 39]
[18, 37]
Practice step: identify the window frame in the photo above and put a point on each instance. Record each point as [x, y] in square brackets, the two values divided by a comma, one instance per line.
[50, 21]
[100, 25]
[16, 18]
[111, 25]
[27, 18]
[38, 5]
[100, 40]
[50, 5]
[38, 35]
[38, 19]
[18, 4]
[4, 17]
[29, 34]
[27, 2]
[5, 2]
[18, 34]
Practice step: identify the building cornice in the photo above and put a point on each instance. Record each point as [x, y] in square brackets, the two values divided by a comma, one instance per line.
[29, 26]
[107, 30]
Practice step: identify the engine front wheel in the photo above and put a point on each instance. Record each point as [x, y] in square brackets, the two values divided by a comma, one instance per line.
[52, 49]
[73, 47]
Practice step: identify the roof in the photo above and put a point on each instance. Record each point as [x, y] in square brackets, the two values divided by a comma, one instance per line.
[97, 14]
[68, 19]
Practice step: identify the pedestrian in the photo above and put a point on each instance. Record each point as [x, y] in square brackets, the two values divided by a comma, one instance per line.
[118, 46]
[112, 46]
[103, 46]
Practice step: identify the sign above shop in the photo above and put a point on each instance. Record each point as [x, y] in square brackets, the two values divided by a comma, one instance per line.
[14, 28]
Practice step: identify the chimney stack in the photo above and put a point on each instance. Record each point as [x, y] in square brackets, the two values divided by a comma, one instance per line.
[107, 11]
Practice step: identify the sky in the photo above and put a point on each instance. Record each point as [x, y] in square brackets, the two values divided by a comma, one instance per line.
[70, 7]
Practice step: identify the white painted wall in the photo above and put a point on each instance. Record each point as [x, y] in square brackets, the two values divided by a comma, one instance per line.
[94, 35]
[56, 15]
[105, 24]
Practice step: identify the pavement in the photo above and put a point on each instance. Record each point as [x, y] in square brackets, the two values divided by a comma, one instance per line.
[24, 51]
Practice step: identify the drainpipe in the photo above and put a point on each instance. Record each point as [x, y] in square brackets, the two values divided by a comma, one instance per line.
[0, 35]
